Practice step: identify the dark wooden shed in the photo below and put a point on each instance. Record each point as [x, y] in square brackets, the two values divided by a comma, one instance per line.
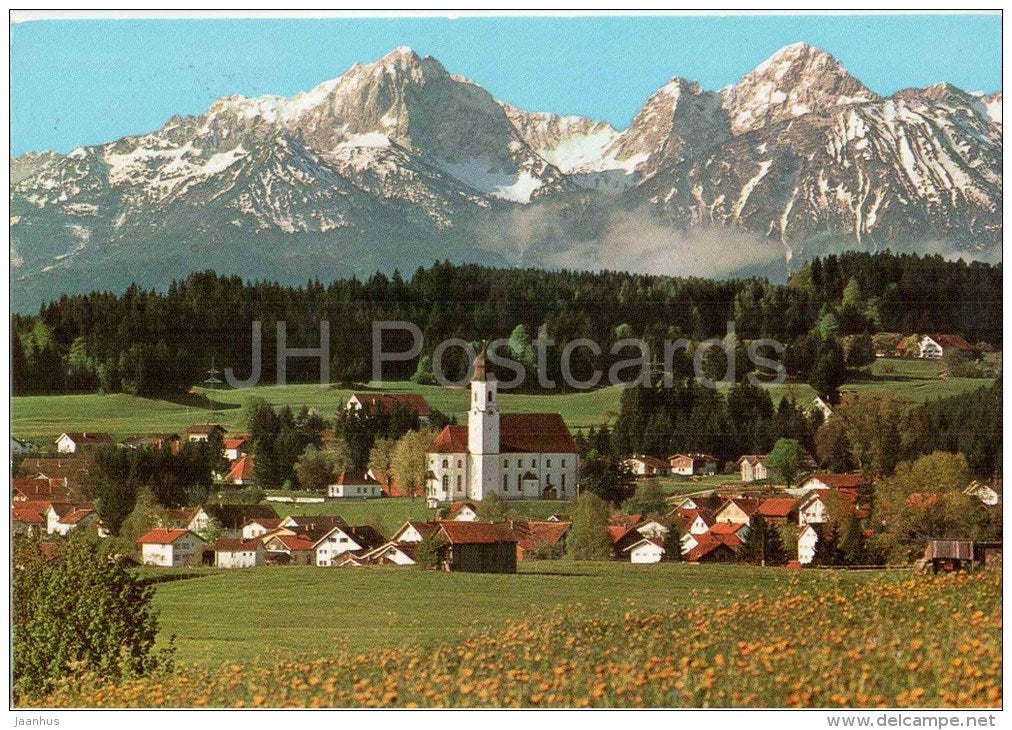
[478, 547]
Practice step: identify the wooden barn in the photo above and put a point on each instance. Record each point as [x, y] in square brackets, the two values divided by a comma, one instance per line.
[478, 547]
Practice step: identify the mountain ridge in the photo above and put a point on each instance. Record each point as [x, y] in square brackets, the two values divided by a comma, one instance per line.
[399, 158]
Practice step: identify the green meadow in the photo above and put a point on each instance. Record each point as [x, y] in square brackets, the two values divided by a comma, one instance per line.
[44, 417]
[261, 613]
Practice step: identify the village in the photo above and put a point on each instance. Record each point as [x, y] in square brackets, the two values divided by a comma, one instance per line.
[495, 458]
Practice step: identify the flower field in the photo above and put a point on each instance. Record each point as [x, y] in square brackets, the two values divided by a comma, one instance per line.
[892, 642]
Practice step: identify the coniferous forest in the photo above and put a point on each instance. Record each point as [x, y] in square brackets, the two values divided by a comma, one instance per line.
[146, 342]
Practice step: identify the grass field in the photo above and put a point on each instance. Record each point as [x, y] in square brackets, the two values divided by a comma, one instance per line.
[387, 515]
[43, 418]
[238, 615]
[801, 641]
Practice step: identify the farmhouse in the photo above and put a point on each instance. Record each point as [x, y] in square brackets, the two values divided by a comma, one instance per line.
[753, 468]
[202, 431]
[62, 518]
[233, 553]
[646, 550]
[389, 553]
[478, 547]
[933, 347]
[692, 464]
[329, 544]
[711, 548]
[75, 471]
[385, 402]
[72, 443]
[778, 510]
[170, 548]
[514, 455]
[354, 483]
[852, 482]
[27, 520]
[642, 465]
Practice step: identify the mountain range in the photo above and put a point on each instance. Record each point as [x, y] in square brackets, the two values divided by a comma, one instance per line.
[397, 163]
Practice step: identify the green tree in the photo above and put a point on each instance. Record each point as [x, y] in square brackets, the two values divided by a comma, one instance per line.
[786, 459]
[408, 461]
[493, 508]
[673, 542]
[588, 537]
[78, 613]
[830, 370]
[429, 552]
[315, 469]
[763, 545]
[649, 499]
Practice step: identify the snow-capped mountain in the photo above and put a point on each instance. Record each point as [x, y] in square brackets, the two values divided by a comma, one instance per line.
[397, 163]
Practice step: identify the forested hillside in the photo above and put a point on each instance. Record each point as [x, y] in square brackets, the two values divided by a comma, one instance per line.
[144, 341]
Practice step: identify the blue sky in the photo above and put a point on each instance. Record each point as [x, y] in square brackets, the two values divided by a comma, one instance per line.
[87, 82]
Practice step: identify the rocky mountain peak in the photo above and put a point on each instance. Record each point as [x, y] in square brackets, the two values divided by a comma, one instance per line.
[796, 80]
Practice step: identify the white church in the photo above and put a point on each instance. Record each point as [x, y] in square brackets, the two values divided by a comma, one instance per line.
[514, 455]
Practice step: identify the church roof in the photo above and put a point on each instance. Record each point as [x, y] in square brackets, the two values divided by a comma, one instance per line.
[534, 433]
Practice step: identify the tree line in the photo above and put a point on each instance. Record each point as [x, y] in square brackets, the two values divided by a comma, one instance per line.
[144, 341]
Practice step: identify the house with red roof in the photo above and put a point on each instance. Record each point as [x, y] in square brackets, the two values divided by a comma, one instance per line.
[853, 482]
[537, 540]
[232, 552]
[778, 510]
[464, 511]
[170, 548]
[284, 548]
[385, 402]
[513, 455]
[27, 489]
[354, 484]
[235, 446]
[241, 472]
[27, 520]
[202, 431]
[711, 548]
[259, 526]
[737, 510]
[194, 519]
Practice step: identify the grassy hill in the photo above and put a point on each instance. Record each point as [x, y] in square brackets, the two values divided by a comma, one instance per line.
[44, 417]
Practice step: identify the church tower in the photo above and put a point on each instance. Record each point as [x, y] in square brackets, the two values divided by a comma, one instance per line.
[483, 432]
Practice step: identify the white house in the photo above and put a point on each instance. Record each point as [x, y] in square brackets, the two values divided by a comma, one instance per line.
[464, 511]
[259, 527]
[241, 472]
[202, 431]
[71, 443]
[807, 541]
[385, 402]
[812, 508]
[234, 447]
[933, 347]
[688, 465]
[391, 553]
[819, 404]
[354, 484]
[652, 529]
[170, 548]
[514, 455]
[752, 467]
[647, 550]
[415, 531]
[194, 519]
[62, 518]
[331, 543]
[233, 553]
[643, 465]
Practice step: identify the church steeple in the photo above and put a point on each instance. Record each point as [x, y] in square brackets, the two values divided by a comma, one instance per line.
[479, 363]
[483, 429]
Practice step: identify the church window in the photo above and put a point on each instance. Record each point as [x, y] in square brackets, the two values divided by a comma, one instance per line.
[490, 396]
[563, 463]
[563, 481]
[446, 482]
[548, 463]
[519, 464]
[458, 482]
[505, 463]
[459, 463]
[446, 463]
[534, 463]
[505, 486]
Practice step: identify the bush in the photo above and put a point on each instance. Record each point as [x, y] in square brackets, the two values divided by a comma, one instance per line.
[79, 614]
